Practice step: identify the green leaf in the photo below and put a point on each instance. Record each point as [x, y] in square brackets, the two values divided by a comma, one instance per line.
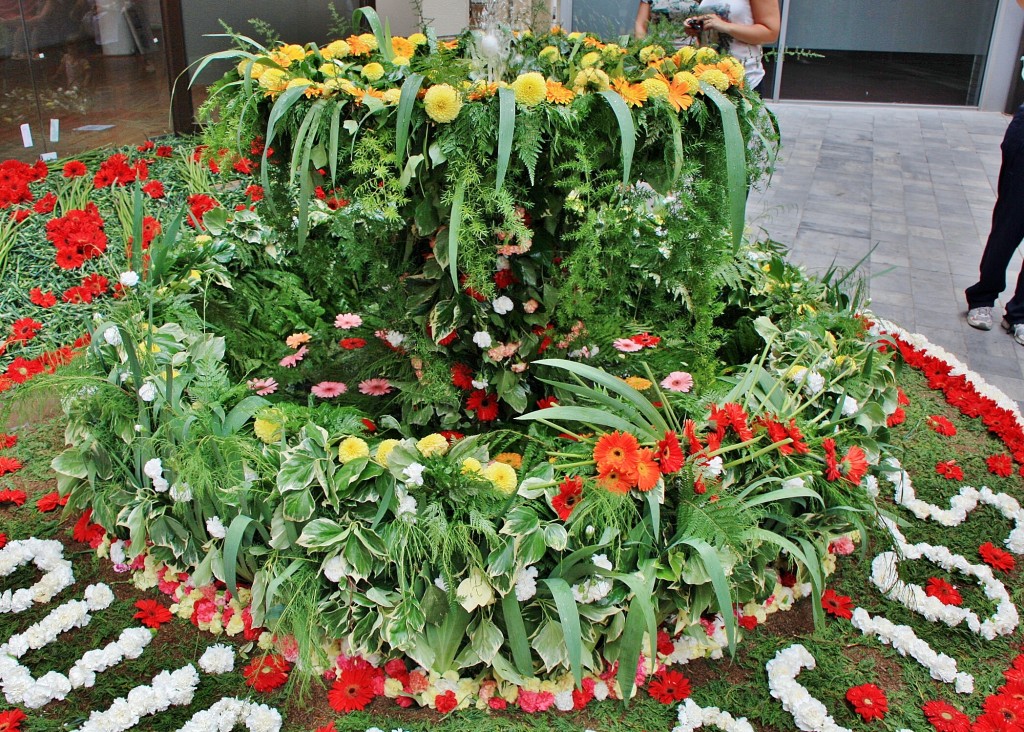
[486, 640]
[627, 130]
[378, 30]
[629, 648]
[454, 229]
[735, 161]
[410, 170]
[237, 531]
[517, 638]
[277, 112]
[406, 103]
[723, 595]
[242, 413]
[506, 130]
[298, 506]
[587, 415]
[569, 618]
[322, 532]
[332, 141]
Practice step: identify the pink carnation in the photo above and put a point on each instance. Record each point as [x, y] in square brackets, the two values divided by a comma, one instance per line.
[535, 701]
[679, 381]
[329, 389]
[627, 345]
[293, 358]
[347, 321]
[841, 546]
[375, 387]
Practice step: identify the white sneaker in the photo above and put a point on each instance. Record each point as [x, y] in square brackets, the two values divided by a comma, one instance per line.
[980, 318]
[1016, 330]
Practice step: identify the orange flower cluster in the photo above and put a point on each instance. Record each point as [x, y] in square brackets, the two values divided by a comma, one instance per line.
[623, 464]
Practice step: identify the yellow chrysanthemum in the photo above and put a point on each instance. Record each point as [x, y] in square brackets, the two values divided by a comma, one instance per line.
[550, 54]
[370, 40]
[250, 65]
[330, 70]
[383, 450]
[686, 55]
[531, 89]
[575, 36]
[274, 80]
[651, 53]
[591, 80]
[335, 49]
[417, 39]
[392, 96]
[513, 459]
[401, 61]
[269, 425]
[286, 55]
[591, 59]
[442, 103]
[432, 445]
[312, 89]
[471, 465]
[706, 55]
[402, 46]
[352, 448]
[733, 69]
[716, 78]
[656, 88]
[638, 382]
[633, 95]
[687, 79]
[373, 71]
[558, 94]
[612, 51]
[502, 476]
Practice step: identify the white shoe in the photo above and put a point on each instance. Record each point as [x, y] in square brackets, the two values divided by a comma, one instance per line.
[980, 318]
[1016, 330]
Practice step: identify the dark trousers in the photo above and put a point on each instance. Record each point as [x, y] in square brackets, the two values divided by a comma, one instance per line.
[1007, 228]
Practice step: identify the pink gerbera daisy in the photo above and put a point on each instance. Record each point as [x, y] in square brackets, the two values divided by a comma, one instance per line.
[375, 387]
[329, 389]
[263, 387]
[627, 345]
[347, 321]
[293, 358]
[678, 381]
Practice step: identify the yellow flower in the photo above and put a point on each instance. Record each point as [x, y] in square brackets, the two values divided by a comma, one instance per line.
[512, 459]
[633, 95]
[391, 96]
[656, 88]
[686, 54]
[402, 46]
[312, 90]
[442, 103]
[335, 49]
[352, 448]
[370, 40]
[590, 80]
[706, 54]
[269, 425]
[417, 39]
[274, 80]
[550, 54]
[591, 59]
[297, 339]
[502, 476]
[716, 78]
[651, 53]
[400, 61]
[685, 77]
[531, 89]
[330, 70]
[575, 36]
[471, 465]
[558, 94]
[433, 444]
[384, 450]
[637, 382]
[612, 51]
[250, 65]
[373, 71]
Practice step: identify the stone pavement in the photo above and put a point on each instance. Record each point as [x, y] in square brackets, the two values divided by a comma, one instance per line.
[910, 189]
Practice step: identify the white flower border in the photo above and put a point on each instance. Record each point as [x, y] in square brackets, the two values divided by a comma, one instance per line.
[229, 711]
[808, 713]
[168, 688]
[692, 716]
[48, 556]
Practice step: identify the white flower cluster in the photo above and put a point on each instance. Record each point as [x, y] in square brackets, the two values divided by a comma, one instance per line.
[692, 716]
[960, 505]
[809, 714]
[168, 688]
[48, 556]
[595, 588]
[16, 681]
[218, 659]
[154, 470]
[129, 645]
[228, 712]
[905, 641]
[885, 577]
[526, 584]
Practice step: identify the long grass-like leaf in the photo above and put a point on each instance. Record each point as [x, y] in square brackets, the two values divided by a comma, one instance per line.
[720, 584]
[817, 576]
[610, 403]
[406, 103]
[332, 142]
[304, 134]
[587, 415]
[277, 112]
[382, 35]
[569, 618]
[783, 494]
[629, 648]
[515, 629]
[677, 146]
[232, 543]
[454, 229]
[627, 130]
[735, 161]
[506, 130]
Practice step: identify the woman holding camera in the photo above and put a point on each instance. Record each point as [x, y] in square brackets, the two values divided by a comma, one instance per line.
[736, 27]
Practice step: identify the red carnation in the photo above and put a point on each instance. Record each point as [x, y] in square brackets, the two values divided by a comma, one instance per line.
[267, 673]
[841, 606]
[946, 593]
[152, 614]
[868, 701]
[996, 558]
[446, 702]
[1001, 465]
[669, 687]
[13, 496]
[941, 425]
[3, 543]
[352, 344]
[570, 493]
[944, 717]
[352, 690]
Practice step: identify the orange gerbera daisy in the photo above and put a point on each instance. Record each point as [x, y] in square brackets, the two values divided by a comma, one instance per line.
[617, 450]
[733, 70]
[633, 95]
[357, 46]
[593, 43]
[482, 90]
[679, 97]
[614, 480]
[647, 471]
[558, 94]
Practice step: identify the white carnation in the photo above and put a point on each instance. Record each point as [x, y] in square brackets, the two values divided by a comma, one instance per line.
[218, 659]
[502, 306]
[482, 339]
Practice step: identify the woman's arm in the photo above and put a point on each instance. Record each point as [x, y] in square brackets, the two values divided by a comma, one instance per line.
[643, 19]
[765, 28]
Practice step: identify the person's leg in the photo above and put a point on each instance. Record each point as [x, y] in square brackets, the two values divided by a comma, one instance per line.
[1007, 227]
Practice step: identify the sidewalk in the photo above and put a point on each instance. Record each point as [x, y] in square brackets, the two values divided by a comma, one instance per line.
[918, 185]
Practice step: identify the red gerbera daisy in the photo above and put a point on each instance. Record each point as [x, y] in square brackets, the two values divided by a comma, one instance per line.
[949, 469]
[996, 558]
[352, 344]
[50, 502]
[43, 299]
[868, 701]
[646, 340]
[3, 543]
[669, 687]
[646, 472]
[941, 425]
[838, 605]
[896, 418]
[614, 480]
[24, 329]
[13, 496]
[87, 532]
[946, 593]
[267, 673]
[10, 721]
[944, 717]
[9, 465]
[485, 405]
[352, 690]
[152, 614]
[462, 377]
[74, 169]
[1006, 708]
[617, 450]
[670, 453]
[1001, 465]
[570, 493]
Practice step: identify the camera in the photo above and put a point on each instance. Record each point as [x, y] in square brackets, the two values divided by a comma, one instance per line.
[695, 24]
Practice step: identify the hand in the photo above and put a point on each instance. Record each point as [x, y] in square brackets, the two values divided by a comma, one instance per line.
[710, 21]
